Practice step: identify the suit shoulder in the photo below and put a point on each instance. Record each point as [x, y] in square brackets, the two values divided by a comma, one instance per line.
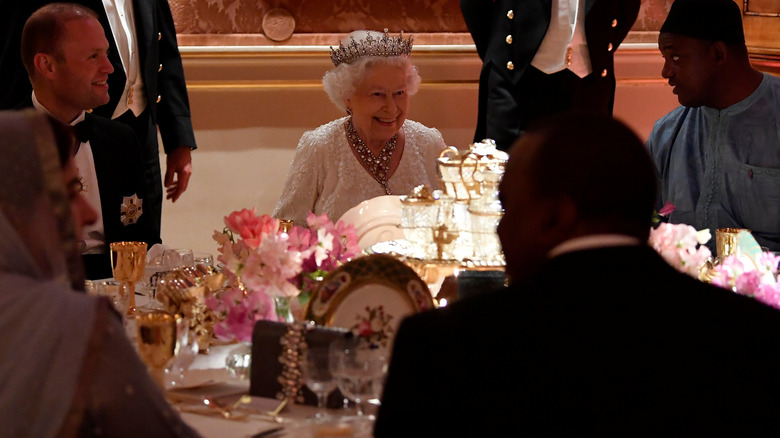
[464, 312]
[109, 124]
[115, 127]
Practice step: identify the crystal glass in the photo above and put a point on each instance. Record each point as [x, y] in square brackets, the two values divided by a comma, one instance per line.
[110, 289]
[184, 353]
[239, 361]
[178, 258]
[128, 260]
[417, 220]
[203, 258]
[153, 272]
[485, 214]
[360, 372]
[317, 375]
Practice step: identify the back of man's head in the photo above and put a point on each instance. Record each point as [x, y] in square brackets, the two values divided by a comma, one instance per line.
[573, 175]
[590, 173]
[602, 165]
[44, 30]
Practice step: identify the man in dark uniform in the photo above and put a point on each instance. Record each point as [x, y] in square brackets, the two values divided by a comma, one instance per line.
[597, 335]
[147, 89]
[544, 56]
[66, 54]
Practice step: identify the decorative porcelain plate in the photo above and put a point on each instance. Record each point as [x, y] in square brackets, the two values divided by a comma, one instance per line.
[376, 220]
[369, 295]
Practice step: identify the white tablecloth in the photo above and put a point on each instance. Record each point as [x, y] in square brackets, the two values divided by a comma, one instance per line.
[208, 377]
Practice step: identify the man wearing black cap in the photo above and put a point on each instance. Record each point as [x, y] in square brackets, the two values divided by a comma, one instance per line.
[717, 155]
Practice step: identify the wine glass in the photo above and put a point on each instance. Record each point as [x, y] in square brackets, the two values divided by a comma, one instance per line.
[156, 339]
[184, 353]
[177, 258]
[111, 290]
[153, 272]
[360, 371]
[316, 371]
[128, 260]
[203, 258]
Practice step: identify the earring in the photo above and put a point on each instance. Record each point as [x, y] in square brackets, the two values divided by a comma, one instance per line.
[349, 111]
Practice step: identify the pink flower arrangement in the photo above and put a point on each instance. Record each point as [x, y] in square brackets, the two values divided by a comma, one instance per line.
[681, 246]
[756, 277]
[663, 214]
[751, 275]
[267, 266]
[324, 247]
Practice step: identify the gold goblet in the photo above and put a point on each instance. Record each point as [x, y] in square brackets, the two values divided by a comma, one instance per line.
[156, 342]
[128, 261]
[286, 225]
[726, 241]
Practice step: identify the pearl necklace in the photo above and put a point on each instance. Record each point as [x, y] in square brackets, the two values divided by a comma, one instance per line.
[379, 166]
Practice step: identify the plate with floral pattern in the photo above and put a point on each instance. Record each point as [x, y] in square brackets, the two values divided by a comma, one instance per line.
[369, 295]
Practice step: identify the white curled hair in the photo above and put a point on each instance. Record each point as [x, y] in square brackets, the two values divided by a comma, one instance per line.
[341, 82]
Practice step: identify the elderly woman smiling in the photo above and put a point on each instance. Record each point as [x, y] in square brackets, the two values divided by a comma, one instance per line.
[374, 150]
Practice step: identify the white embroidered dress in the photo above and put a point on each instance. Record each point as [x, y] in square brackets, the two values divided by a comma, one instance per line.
[326, 177]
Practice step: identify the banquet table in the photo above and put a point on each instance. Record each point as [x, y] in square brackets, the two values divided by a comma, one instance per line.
[209, 377]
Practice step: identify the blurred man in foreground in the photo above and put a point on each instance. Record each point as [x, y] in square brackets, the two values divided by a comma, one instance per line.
[597, 335]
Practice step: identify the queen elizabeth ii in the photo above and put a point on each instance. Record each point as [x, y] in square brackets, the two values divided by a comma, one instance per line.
[375, 150]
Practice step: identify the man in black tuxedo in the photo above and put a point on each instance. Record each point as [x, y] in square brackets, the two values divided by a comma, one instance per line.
[544, 56]
[597, 335]
[66, 54]
[155, 95]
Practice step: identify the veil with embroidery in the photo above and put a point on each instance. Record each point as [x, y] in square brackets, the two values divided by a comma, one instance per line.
[36, 231]
[68, 369]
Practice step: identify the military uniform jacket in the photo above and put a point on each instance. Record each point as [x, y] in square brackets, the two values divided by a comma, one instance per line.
[508, 33]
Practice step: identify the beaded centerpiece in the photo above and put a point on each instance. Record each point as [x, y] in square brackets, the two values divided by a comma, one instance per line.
[371, 46]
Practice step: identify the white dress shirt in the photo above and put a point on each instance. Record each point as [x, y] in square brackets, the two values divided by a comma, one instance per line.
[93, 234]
[593, 241]
[564, 45]
[122, 20]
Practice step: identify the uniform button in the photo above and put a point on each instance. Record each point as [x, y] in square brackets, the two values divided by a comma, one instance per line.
[159, 35]
[609, 47]
[510, 65]
[510, 14]
[614, 22]
[604, 73]
[509, 39]
[159, 69]
[159, 98]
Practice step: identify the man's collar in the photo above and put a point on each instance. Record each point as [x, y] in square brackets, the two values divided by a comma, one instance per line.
[40, 108]
[593, 241]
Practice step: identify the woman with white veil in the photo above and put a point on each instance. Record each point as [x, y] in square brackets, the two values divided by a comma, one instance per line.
[68, 369]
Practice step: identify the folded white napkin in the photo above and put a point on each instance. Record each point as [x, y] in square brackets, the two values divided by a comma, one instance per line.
[154, 254]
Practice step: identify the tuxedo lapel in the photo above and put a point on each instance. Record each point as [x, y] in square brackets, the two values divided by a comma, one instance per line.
[117, 79]
[143, 13]
[108, 179]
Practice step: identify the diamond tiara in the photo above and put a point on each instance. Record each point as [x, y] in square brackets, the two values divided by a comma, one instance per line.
[371, 46]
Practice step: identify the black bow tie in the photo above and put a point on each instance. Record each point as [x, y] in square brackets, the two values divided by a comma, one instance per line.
[83, 130]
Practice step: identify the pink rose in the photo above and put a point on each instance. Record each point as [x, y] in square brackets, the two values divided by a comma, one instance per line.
[251, 227]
